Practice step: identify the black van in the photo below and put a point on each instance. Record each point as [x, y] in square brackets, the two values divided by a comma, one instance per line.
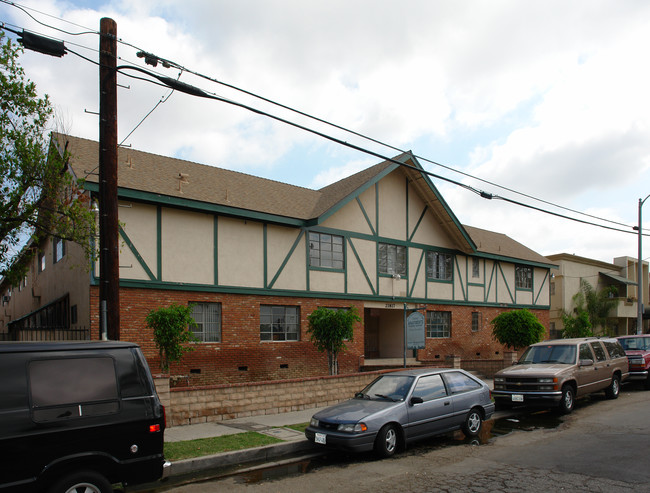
[78, 415]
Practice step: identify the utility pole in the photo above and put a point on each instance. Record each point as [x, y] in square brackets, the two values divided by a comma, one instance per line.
[109, 273]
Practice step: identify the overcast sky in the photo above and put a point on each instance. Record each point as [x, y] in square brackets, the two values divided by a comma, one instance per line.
[546, 98]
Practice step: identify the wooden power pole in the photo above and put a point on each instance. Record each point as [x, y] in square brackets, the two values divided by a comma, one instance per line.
[109, 269]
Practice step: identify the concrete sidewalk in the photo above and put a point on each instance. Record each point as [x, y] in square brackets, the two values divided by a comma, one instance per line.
[294, 442]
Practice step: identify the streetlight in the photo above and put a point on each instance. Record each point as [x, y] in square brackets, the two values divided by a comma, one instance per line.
[639, 276]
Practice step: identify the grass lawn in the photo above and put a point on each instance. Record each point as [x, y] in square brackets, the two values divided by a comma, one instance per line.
[208, 446]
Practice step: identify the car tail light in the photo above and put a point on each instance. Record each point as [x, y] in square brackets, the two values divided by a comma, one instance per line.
[154, 428]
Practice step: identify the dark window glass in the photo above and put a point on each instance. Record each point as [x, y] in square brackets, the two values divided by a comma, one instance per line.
[598, 351]
[429, 388]
[458, 382]
[279, 323]
[523, 277]
[614, 349]
[208, 322]
[585, 352]
[440, 266]
[392, 259]
[438, 324]
[476, 321]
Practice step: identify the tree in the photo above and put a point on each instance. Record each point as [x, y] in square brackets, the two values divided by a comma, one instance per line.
[329, 329]
[591, 308]
[171, 332]
[38, 197]
[517, 329]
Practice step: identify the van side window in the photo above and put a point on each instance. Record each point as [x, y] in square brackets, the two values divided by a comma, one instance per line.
[72, 388]
[598, 351]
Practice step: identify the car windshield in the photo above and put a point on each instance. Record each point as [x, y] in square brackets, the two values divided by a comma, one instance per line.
[391, 387]
[552, 353]
[639, 343]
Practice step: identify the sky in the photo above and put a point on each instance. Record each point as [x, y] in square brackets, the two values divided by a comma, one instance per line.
[542, 102]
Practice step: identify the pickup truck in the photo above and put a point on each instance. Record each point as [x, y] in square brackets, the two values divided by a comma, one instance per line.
[637, 349]
[556, 372]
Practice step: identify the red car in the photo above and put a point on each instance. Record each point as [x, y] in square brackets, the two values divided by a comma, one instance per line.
[637, 349]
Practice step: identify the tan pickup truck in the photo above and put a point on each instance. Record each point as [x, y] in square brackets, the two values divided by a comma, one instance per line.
[556, 372]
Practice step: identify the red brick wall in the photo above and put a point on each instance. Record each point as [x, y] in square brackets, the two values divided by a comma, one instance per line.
[241, 357]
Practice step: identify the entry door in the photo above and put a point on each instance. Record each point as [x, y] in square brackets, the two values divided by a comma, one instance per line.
[371, 335]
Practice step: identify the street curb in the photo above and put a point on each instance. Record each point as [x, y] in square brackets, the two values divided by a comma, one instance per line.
[261, 454]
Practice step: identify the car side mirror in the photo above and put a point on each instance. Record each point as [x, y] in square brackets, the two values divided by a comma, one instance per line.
[416, 400]
[586, 362]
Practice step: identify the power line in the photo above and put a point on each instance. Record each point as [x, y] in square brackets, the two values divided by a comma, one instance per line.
[153, 60]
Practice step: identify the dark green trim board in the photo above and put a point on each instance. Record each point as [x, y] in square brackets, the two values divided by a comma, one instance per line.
[159, 242]
[131, 283]
[365, 214]
[363, 269]
[136, 254]
[541, 287]
[216, 250]
[286, 259]
[417, 225]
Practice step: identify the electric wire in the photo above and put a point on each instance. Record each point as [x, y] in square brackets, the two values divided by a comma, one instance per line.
[169, 63]
[25, 8]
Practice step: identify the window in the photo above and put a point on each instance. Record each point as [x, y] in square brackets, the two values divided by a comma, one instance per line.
[457, 382]
[614, 349]
[73, 314]
[585, 352]
[475, 268]
[279, 323]
[59, 249]
[94, 392]
[429, 388]
[208, 322]
[598, 351]
[326, 250]
[477, 321]
[438, 324]
[41, 261]
[392, 259]
[523, 277]
[440, 266]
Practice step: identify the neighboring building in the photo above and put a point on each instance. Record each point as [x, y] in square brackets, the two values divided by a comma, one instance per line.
[256, 257]
[622, 274]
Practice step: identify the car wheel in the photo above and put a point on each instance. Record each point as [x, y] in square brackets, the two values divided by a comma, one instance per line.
[614, 388]
[473, 423]
[568, 399]
[646, 384]
[82, 482]
[386, 441]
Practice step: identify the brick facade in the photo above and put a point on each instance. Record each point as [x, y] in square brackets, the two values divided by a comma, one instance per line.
[242, 358]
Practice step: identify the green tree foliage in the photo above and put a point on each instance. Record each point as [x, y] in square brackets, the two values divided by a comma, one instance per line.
[590, 312]
[517, 329]
[576, 326]
[329, 329]
[171, 332]
[37, 197]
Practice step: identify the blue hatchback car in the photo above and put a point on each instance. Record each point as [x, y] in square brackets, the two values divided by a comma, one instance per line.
[400, 407]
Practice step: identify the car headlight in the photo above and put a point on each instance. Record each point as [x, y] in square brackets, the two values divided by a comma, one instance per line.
[499, 379]
[314, 422]
[547, 380]
[352, 427]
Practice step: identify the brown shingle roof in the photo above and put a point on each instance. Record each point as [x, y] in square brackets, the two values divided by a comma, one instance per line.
[146, 172]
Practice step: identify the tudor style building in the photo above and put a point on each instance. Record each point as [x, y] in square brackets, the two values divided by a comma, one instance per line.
[255, 257]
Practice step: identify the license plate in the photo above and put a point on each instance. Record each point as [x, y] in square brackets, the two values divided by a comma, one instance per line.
[517, 398]
[321, 438]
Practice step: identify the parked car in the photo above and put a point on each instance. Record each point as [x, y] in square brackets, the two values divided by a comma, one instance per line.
[400, 407]
[556, 372]
[637, 349]
[78, 417]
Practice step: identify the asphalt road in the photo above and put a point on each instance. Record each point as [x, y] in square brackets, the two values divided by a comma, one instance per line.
[601, 447]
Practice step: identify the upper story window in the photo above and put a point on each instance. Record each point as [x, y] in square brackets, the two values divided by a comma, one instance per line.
[475, 268]
[326, 250]
[392, 259]
[59, 249]
[440, 266]
[41, 261]
[208, 322]
[523, 277]
[279, 323]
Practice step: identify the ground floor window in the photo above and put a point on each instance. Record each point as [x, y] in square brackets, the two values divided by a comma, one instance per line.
[208, 322]
[279, 323]
[438, 324]
[477, 321]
